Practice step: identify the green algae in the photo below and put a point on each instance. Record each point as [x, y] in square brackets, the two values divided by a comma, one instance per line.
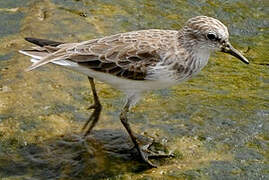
[216, 124]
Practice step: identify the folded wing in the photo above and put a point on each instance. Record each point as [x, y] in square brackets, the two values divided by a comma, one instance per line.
[126, 55]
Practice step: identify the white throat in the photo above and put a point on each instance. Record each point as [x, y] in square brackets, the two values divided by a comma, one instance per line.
[202, 55]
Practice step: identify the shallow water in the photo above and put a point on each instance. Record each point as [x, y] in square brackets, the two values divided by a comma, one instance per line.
[216, 124]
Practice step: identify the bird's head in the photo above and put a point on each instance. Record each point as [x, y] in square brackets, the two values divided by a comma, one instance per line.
[210, 34]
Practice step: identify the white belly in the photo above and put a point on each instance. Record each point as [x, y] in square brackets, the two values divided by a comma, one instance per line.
[126, 85]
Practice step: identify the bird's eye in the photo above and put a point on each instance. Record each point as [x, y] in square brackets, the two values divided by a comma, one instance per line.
[211, 36]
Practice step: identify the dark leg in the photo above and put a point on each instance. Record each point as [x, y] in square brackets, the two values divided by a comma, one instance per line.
[124, 120]
[96, 112]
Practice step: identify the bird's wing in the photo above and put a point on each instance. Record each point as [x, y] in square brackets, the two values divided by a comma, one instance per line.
[126, 55]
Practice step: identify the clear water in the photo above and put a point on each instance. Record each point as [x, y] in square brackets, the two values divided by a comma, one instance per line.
[216, 124]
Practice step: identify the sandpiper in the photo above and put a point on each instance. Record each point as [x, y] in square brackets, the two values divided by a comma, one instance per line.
[137, 62]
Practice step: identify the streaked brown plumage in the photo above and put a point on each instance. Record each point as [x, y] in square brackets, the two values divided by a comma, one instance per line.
[125, 55]
[139, 61]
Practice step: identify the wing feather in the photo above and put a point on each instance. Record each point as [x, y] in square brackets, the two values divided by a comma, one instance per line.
[125, 55]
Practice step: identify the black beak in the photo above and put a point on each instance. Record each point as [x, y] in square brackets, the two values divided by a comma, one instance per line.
[228, 48]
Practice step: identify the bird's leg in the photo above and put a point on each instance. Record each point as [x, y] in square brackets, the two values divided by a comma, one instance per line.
[97, 107]
[124, 120]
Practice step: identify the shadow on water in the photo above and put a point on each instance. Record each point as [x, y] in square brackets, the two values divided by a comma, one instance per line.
[104, 153]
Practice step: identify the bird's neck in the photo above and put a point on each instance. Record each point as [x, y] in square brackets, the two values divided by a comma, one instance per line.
[193, 48]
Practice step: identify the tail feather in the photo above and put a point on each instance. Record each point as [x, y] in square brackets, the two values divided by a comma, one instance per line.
[59, 55]
[46, 52]
[43, 42]
[34, 53]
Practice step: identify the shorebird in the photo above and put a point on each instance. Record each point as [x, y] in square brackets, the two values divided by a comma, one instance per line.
[137, 62]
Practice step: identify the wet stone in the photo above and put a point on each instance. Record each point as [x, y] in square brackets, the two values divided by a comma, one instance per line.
[216, 123]
[248, 154]
[10, 23]
[6, 57]
[13, 3]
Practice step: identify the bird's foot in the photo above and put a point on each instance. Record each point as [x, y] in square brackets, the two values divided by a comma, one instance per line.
[94, 106]
[146, 153]
[97, 107]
